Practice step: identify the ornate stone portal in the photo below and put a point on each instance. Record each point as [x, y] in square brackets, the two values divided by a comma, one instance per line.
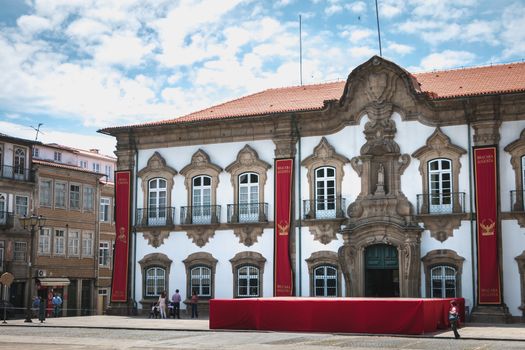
[381, 214]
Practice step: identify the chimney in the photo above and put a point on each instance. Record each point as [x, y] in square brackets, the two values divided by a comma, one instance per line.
[94, 150]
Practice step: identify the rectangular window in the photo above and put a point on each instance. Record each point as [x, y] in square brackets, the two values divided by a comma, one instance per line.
[2, 253]
[102, 292]
[59, 243]
[96, 167]
[45, 192]
[89, 197]
[60, 194]
[22, 206]
[36, 152]
[108, 171]
[103, 254]
[87, 244]
[83, 164]
[73, 240]
[57, 156]
[104, 209]
[20, 251]
[44, 241]
[74, 196]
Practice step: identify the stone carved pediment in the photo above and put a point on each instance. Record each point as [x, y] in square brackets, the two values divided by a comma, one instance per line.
[442, 227]
[325, 231]
[155, 259]
[200, 235]
[156, 238]
[200, 161]
[248, 234]
[248, 160]
[438, 145]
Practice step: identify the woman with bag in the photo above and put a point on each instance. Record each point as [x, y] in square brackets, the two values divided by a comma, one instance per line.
[453, 317]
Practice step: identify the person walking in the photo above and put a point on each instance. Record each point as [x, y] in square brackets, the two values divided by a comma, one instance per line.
[42, 310]
[162, 304]
[176, 299]
[57, 302]
[453, 317]
[194, 305]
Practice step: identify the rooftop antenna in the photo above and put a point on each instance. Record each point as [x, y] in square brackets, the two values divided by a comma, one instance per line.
[300, 51]
[378, 31]
[37, 129]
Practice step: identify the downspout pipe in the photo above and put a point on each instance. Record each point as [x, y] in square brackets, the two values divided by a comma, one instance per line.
[134, 210]
[299, 206]
[473, 233]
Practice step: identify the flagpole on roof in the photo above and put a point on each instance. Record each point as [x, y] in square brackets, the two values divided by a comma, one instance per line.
[300, 52]
[378, 30]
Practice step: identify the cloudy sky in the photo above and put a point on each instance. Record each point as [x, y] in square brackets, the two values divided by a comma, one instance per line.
[79, 65]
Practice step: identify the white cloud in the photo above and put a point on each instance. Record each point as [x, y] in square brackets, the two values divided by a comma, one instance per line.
[87, 29]
[356, 34]
[357, 7]
[445, 60]
[33, 24]
[399, 49]
[125, 49]
[332, 9]
[513, 35]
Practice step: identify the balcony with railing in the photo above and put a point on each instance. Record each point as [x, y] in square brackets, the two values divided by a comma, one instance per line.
[324, 208]
[516, 201]
[16, 173]
[200, 215]
[248, 213]
[153, 217]
[441, 203]
[6, 219]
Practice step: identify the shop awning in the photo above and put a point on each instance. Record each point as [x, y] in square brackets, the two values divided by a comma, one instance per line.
[53, 282]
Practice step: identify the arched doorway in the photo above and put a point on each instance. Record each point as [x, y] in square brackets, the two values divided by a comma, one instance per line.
[381, 271]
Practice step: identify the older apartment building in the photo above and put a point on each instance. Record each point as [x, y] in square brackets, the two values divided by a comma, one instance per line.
[71, 247]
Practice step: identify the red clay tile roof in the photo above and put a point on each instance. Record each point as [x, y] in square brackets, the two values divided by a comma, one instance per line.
[504, 78]
[65, 166]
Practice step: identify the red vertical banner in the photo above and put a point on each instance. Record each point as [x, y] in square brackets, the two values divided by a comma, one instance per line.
[485, 166]
[119, 285]
[283, 279]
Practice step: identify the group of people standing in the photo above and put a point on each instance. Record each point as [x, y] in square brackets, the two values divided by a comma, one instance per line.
[176, 299]
[40, 303]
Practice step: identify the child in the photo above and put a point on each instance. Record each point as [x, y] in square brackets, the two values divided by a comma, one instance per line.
[154, 313]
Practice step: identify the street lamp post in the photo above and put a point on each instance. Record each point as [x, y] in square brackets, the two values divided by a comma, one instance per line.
[31, 222]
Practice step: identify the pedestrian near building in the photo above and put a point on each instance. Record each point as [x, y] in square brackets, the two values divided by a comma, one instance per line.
[176, 299]
[194, 305]
[36, 305]
[162, 304]
[453, 317]
[42, 310]
[57, 305]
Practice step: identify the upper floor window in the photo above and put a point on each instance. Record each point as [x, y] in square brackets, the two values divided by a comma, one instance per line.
[44, 241]
[36, 152]
[60, 194]
[20, 252]
[201, 199]
[87, 244]
[21, 205]
[96, 167]
[325, 281]
[89, 198]
[248, 281]
[108, 171]
[443, 282]
[249, 197]
[74, 196]
[1, 159]
[440, 185]
[20, 161]
[57, 156]
[46, 198]
[3, 208]
[201, 281]
[103, 254]
[83, 164]
[59, 243]
[325, 190]
[157, 196]
[105, 204]
[2, 256]
[73, 240]
[155, 281]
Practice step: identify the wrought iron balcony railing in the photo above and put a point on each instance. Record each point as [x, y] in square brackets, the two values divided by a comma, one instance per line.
[17, 173]
[441, 203]
[200, 215]
[247, 212]
[161, 216]
[516, 200]
[6, 219]
[324, 208]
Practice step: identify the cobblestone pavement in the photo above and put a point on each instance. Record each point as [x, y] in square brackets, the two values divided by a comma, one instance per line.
[114, 332]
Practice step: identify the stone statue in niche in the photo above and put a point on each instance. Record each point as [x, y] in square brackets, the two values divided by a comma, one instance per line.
[380, 188]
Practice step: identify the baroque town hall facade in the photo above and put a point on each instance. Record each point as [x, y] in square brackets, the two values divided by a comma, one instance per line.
[402, 185]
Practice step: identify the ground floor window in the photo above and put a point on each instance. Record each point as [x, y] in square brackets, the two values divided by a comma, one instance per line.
[443, 282]
[325, 281]
[155, 281]
[248, 281]
[201, 281]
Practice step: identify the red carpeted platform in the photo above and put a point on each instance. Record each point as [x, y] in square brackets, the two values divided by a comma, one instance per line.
[345, 315]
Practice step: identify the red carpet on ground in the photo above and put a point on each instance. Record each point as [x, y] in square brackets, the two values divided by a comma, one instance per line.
[344, 315]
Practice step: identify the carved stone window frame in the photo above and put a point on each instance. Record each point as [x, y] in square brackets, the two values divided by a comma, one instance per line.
[438, 146]
[201, 165]
[248, 161]
[324, 258]
[149, 261]
[247, 259]
[520, 259]
[442, 257]
[516, 149]
[324, 155]
[195, 260]
[156, 168]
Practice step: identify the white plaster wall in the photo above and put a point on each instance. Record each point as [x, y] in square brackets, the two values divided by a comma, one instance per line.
[513, 245]
[460, 242]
